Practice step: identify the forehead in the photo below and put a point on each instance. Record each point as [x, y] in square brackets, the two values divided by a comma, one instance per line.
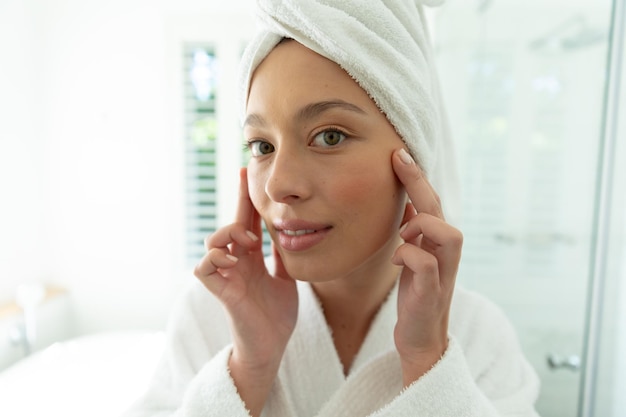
[293, 72]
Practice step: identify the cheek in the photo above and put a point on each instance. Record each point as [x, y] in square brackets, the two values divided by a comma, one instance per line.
[377, 190]
[256, 187]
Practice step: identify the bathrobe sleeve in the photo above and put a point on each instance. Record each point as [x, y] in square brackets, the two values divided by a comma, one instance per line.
[192, 378]
[482, 374]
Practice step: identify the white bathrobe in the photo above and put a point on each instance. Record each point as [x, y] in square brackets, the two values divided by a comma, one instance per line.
[482, 374]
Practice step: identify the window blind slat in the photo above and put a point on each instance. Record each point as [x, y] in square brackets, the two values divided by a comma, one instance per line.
[200, 121]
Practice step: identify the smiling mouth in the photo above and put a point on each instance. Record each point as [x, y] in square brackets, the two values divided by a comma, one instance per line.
[298, 232]
[296, 239]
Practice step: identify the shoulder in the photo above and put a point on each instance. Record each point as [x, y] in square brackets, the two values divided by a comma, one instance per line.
[471, 311]
[482, 329]
[195, 300]
[199, 316]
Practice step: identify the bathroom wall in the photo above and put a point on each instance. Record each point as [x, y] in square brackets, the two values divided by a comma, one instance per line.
[91, 149]
[22, 249]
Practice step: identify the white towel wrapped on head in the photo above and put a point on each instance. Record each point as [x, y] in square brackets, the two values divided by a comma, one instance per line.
[385, 46]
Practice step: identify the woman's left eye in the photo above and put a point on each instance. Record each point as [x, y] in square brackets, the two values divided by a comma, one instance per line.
[331, 137]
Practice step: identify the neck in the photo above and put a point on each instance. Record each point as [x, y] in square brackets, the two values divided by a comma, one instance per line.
[350, 305]
[363, 290]
[355, 301]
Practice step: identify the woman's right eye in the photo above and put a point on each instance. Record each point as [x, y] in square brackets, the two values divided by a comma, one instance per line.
[260, 147]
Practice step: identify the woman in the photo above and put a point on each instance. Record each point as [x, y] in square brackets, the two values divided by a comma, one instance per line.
[357, 316]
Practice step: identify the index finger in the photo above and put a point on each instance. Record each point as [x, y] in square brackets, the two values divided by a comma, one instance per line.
[245, 210]
[420, 192]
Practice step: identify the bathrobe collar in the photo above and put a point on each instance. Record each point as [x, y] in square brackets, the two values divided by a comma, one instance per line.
[311, 374]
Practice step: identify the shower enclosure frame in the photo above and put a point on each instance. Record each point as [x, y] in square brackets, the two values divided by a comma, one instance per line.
[602, 209]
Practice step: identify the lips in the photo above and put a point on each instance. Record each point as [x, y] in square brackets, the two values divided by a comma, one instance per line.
[297, 232]
[300, 235]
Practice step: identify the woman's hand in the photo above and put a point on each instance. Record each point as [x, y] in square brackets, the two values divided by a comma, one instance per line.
[430, 258]
[262, 309]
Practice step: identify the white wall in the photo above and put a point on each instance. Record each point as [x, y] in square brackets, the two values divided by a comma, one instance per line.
[91, 156]
[22, 243]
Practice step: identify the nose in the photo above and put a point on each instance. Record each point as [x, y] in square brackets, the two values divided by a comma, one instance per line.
[288, 181]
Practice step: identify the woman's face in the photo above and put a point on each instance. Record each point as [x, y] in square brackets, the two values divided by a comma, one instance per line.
[320, 174]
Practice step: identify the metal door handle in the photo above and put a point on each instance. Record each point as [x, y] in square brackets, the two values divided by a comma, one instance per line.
[571, 362]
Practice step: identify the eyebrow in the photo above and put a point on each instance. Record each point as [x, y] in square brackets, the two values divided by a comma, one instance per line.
[309, 111]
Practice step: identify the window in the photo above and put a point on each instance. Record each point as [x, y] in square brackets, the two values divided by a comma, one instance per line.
[203, 155]
[200, 124]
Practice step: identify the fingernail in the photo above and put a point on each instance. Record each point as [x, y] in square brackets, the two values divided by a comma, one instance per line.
[404, 226]
[405, 157]
[252, 235]
[232, 258]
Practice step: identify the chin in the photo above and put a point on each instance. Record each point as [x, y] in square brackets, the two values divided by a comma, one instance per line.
[309, 269]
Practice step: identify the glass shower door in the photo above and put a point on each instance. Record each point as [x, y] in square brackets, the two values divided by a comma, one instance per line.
[604, 373]
[523, 82]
